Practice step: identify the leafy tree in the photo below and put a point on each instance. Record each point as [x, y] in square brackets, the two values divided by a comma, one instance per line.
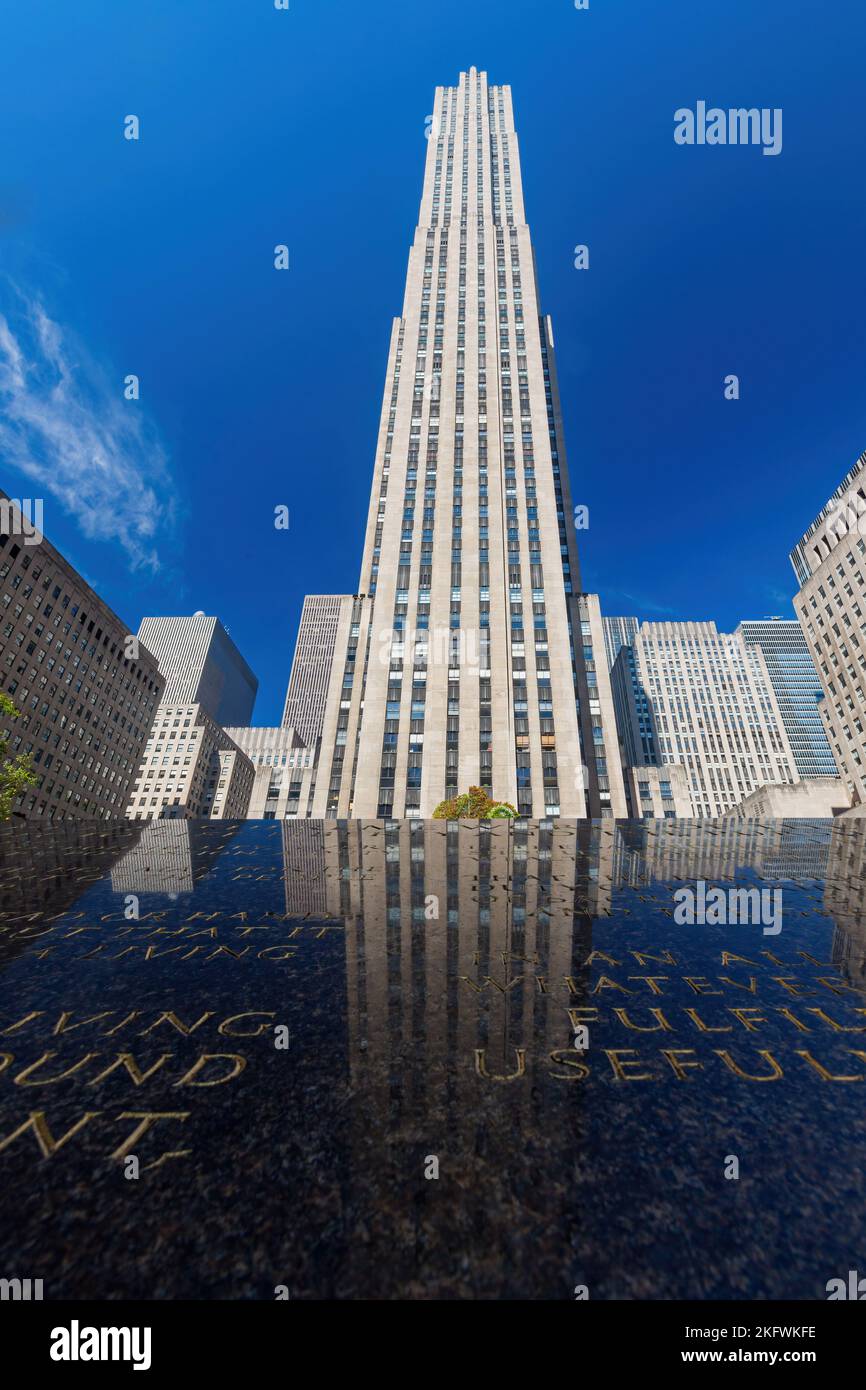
[16, 774]
[474, 805]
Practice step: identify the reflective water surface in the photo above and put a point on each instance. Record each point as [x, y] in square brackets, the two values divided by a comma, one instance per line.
[340, 1059]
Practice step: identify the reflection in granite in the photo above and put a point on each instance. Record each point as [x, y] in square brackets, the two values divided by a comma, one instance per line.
[430, 978]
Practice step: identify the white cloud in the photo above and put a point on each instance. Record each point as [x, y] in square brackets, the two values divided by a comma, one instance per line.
[70, 430]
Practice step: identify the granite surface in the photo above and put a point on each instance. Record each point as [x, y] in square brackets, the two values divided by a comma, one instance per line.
[337, 1060]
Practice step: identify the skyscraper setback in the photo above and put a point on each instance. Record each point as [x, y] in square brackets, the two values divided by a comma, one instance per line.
[470, 654]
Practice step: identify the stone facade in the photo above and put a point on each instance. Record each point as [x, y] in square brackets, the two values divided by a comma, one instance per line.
[470, 655]
[86, 690]
[688, 694]
[191, 768]
[658, 793]
[830, 564]
[313, 665]
[285, 771]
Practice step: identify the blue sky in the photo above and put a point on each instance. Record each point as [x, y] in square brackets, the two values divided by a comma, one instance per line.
[261, 388]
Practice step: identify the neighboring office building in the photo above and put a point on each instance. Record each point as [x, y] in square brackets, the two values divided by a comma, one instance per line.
[688, 694]
[618, 633]
[322, 618]
[658, 793]
[191, 768]
[470, 655]
[818, 798]
[830, 564]
[798, 690]
[201, 665]
[86, 707]
[284, 770]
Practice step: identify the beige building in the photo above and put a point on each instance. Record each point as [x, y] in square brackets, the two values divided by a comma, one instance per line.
[86, 689]
[191, 768]
[322, 617]
[830, 564]
[815, 798]
[658, 793]
[688, 694]
[470, 655]
[285, 771]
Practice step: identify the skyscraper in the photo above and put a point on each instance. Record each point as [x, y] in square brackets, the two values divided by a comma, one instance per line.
[304, 710]
[689, 694]
[86, 691]
[618, 633]
[798, 690]
[201, 665]
[830, 564]
[470, 655]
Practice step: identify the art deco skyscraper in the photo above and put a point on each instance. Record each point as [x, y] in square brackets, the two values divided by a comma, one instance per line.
[470, 655]
[830, 564]
[690, 695]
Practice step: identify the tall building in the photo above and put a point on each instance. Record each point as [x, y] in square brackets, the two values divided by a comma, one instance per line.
[830, 564]
[190, 769]
[703, 699]
[618, 633]
[321, 619]
[285, 771]
[201, 665]
[86, 693]
[470, 654]
[795, 681]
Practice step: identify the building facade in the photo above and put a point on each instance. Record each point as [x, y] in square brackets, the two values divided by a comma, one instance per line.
[694, 696]
[618, 633]
[285, 772]
[798, 690]
[818, 798]
[191, 769]
[658, 793]
[322, 618]
[201, 665]
[470, 655]
[829, 561]
[86, 692]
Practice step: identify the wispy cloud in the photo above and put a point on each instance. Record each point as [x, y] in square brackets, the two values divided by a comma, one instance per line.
[637, 604]
[781, 601]
[70, 430]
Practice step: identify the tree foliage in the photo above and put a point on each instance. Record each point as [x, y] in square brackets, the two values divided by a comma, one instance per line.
[474, 805]
[16, 774]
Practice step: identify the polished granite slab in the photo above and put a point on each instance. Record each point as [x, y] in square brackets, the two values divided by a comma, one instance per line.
[337, 1059]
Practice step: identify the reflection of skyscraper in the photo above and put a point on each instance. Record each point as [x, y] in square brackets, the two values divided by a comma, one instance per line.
[170, 856]
[470, 655]
[201, 665]
[47, 867]
[306, 883]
